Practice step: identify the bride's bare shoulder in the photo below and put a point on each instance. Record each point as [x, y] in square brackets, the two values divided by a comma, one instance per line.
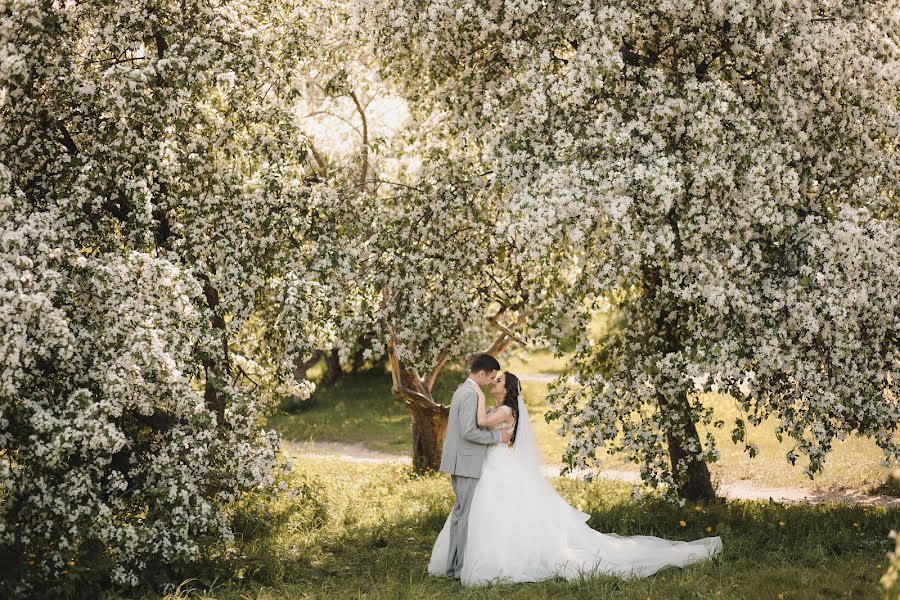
[505, 411]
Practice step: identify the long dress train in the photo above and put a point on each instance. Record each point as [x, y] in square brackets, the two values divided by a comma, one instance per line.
[520, 529]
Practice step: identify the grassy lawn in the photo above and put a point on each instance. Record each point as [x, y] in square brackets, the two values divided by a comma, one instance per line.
[356, 409]
[366, 531]
[361, 409]
[852, 462]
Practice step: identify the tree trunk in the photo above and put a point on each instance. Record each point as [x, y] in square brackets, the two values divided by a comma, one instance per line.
[212, 364]
[332, 366]
[429, 419]
[697, 484]
[301, 368]
[429, 426]
[682, 433]
[363, 343]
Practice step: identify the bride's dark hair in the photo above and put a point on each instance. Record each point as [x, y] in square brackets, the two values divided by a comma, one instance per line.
[511, 399]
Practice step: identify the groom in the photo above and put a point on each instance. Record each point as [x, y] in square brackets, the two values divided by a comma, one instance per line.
[464, 448]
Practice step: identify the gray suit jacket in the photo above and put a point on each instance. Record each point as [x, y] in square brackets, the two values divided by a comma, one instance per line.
[465, 444]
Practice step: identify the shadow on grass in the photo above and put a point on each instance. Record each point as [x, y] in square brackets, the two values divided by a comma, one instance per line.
[358, 409]
[812, 551]
[358, 530]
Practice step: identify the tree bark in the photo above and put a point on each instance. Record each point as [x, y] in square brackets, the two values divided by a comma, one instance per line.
[682, 433]
[697, 484]
[429, 427]
[333, 370]
[211, 366]
[301, 368]
[428, 418]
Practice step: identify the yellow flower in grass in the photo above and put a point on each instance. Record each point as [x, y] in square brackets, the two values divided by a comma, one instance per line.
[682, 523]
[709, 530]
[781, 523]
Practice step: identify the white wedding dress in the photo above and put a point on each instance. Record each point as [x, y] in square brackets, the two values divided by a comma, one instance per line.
[520, 529]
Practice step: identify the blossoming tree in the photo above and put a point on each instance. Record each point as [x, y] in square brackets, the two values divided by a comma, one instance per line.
[152, 200]
[725, 175]
[415, 225]
[431, 277]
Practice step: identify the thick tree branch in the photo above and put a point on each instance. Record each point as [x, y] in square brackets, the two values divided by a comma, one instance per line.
[506, 332]
[633, 58]
[506, 336]
[364, 167]
[67, 140]
[161, 44]
[212, 397]
[406, 385]
[442, 359]
[319, 159]
[402, 379]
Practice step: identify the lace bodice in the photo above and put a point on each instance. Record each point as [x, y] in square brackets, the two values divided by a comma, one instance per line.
[509, 424]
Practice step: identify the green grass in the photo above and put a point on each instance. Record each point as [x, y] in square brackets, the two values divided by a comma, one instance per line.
[852, 463]
[360, 409]
[366, 531]
[355, 409]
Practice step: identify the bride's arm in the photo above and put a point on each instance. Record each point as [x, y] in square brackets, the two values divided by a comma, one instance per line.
[490, 420]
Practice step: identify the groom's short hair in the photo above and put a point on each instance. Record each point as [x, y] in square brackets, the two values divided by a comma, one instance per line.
[483, 362]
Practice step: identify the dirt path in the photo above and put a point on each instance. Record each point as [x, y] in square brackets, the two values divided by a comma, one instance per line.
[734, 490]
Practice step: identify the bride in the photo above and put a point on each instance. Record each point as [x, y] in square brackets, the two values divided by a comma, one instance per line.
[520, 529]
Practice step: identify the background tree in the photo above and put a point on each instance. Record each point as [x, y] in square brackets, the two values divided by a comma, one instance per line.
[153, 202]
[725, 176]
[415, 220]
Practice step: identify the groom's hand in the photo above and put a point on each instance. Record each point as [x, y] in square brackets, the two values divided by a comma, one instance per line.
[505, 436]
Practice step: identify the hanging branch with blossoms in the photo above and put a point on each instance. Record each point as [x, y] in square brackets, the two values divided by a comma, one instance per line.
[723, 177]
[413, 226]
[154, 201]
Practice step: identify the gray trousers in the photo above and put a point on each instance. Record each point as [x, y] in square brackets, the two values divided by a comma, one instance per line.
[464, 488]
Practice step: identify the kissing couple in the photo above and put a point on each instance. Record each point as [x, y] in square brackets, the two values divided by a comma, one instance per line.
[509, 524]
